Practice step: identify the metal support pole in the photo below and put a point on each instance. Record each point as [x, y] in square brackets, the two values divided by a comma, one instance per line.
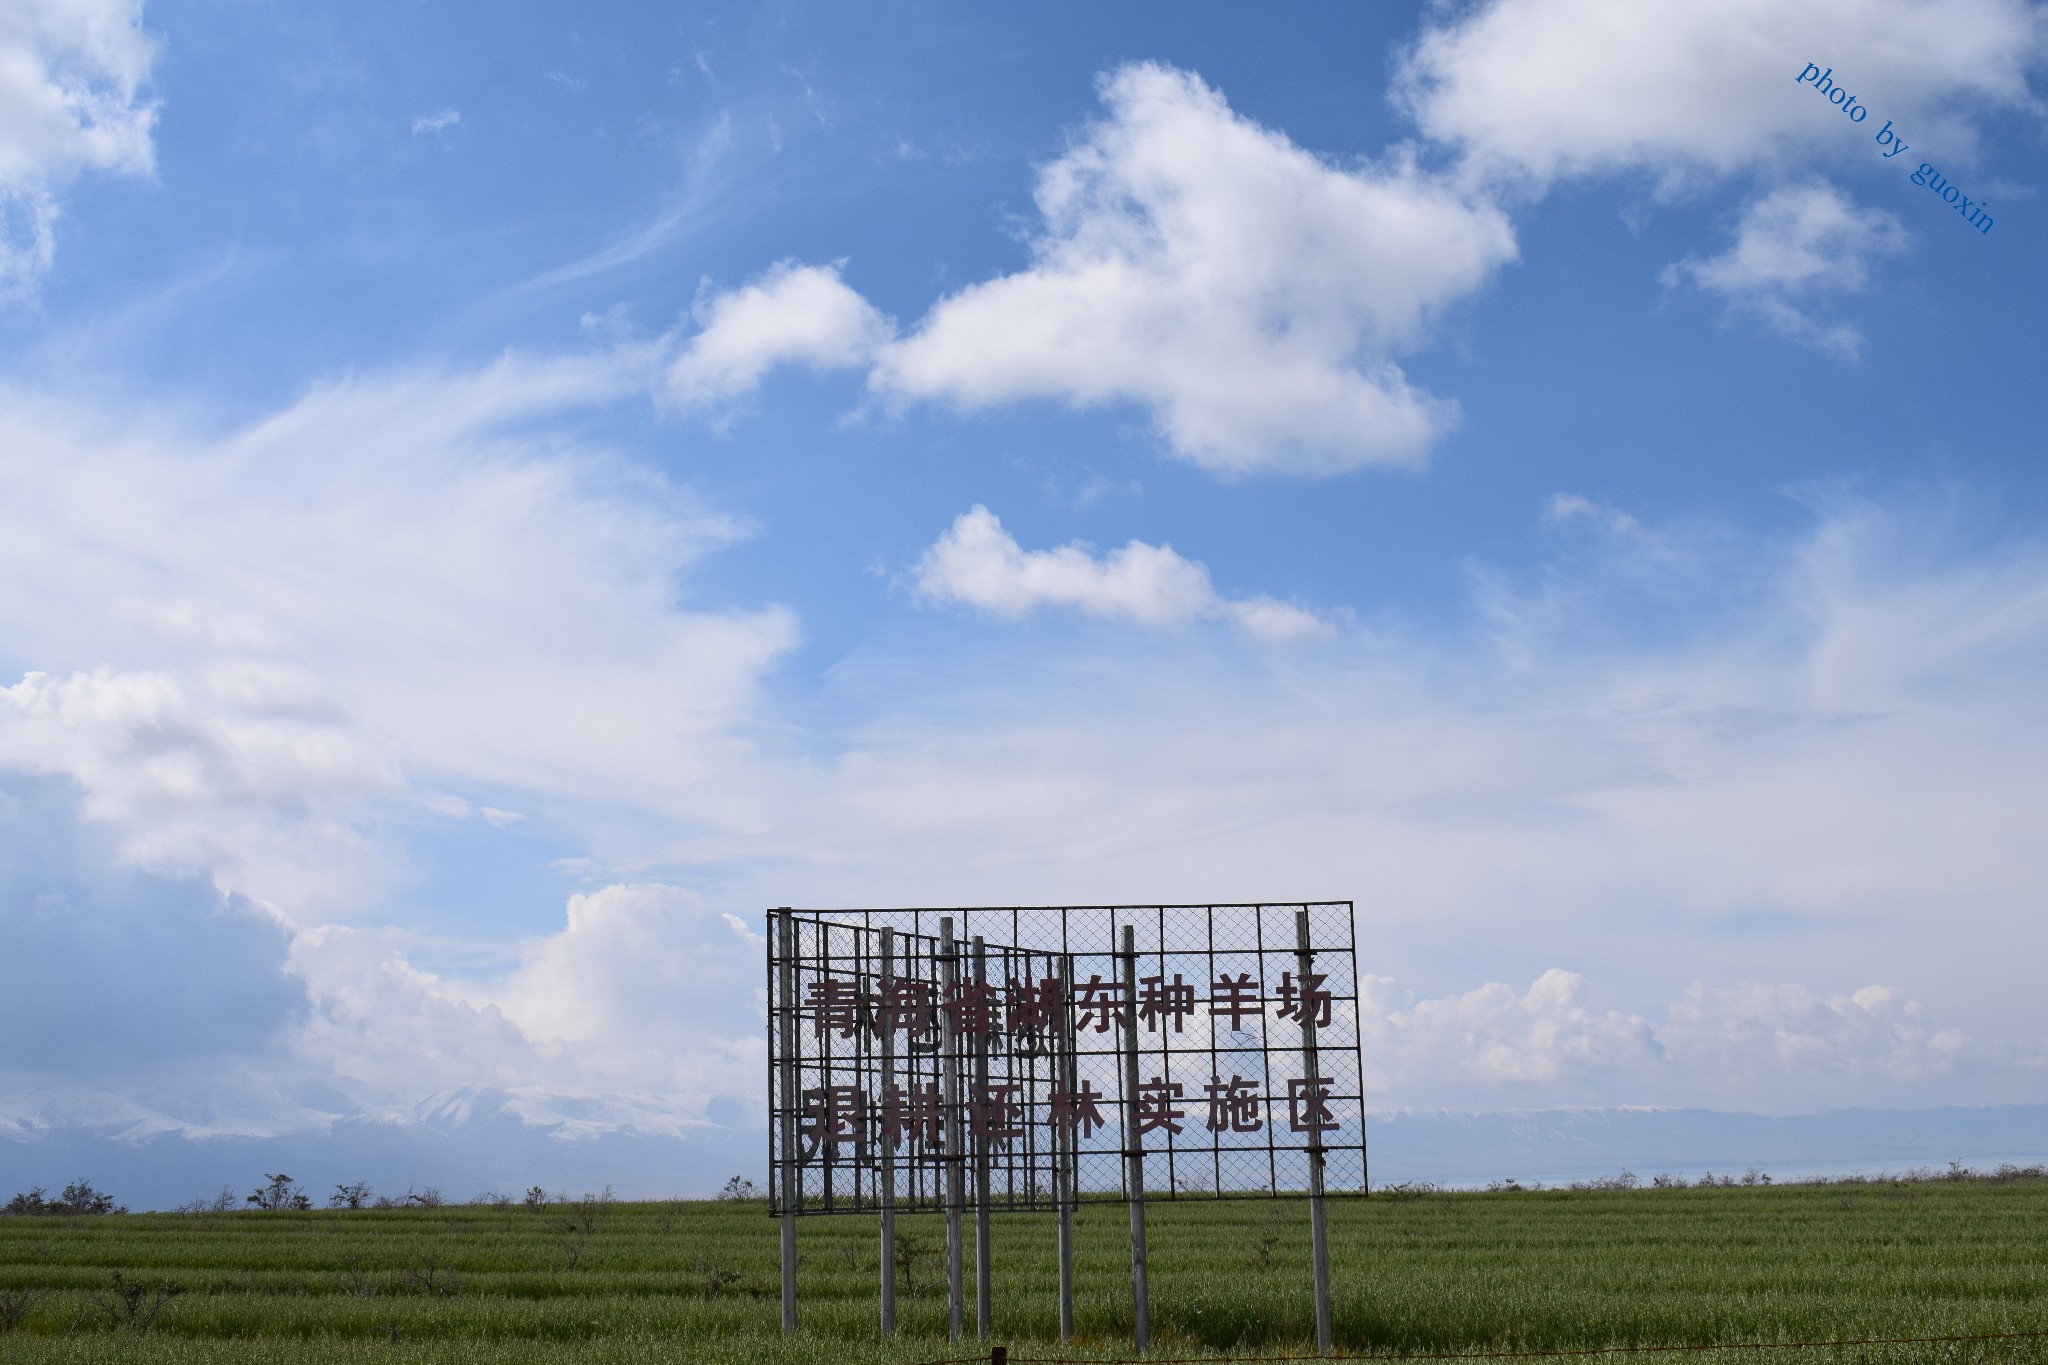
[949, 1070]
[785, 937]
[984, 1301]
[888, 1155]
[1318, 1221]
[1134, 1150]
[1067, 1160]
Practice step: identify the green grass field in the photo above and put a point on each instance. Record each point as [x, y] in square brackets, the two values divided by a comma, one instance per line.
[1464, 1272]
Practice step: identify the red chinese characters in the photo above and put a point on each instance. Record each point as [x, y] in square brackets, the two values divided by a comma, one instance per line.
[1076, 1110]
[974, 1009]
[912, 1114]
[1160, 999]
[1233, 1105]
[1306, 1001]
[1155, 1106]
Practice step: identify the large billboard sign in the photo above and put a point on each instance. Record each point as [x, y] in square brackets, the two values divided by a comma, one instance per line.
[905, 1043]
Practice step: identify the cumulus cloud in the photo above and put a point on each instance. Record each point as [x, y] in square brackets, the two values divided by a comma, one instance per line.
[71, 76]
[1493, 1035]
[793, 314]
[655, 977]
[1247, 293]
[209, 773]
[1255, 298]
[978, 563]
[644, 993]
[1757, 1028]
[1740, 1043]
[1537, 89]
[1793, 244]
[1789, 753]
[439, 122]
[272, 650]
[1668, 756]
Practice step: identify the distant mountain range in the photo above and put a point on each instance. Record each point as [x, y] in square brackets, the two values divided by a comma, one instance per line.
[1556, 1146]
[463, 1142]
[474, 1139]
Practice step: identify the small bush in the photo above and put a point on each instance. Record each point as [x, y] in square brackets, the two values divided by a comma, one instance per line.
[79, 1199]
[224, 1202]
[739, 1187]
[356, 1282]
[356, 1196]
[910, 1250]
[279, 1192]
[1275, 1225]
[716, 1277]
[14, 1306]
[1411, 1189]
[133, 1306]
[431, 1277]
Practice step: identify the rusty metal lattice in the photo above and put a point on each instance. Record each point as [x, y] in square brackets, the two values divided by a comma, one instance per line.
[895, 1062]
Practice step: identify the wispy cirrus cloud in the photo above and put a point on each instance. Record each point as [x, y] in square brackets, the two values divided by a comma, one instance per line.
[438, 122]
[704, 160]
[231, 666]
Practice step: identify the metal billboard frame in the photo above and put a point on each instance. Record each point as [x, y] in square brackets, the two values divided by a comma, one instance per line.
[913, 1050]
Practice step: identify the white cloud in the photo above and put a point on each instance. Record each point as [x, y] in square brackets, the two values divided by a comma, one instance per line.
[209, 771]
[642, 989]
[1563, 509]
[239, 637]
[1250, 295]
[1758, 1028]
[1537, 89]
[644, 968]
[71, 73]
[1663, 758]
[436, 122]
[978, 563]
[1720, 1043]
[793, 314]
[1491, 1035]
[1696, 756]
[1254, 298]
[1794, 243]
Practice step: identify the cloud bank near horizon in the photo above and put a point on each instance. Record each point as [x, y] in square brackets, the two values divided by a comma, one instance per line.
[1554, 769]
[420, 734]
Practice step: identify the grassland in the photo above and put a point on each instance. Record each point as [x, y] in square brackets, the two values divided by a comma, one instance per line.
[597, 1282]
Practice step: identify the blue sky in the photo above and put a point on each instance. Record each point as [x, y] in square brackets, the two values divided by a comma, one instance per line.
[491, 498]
